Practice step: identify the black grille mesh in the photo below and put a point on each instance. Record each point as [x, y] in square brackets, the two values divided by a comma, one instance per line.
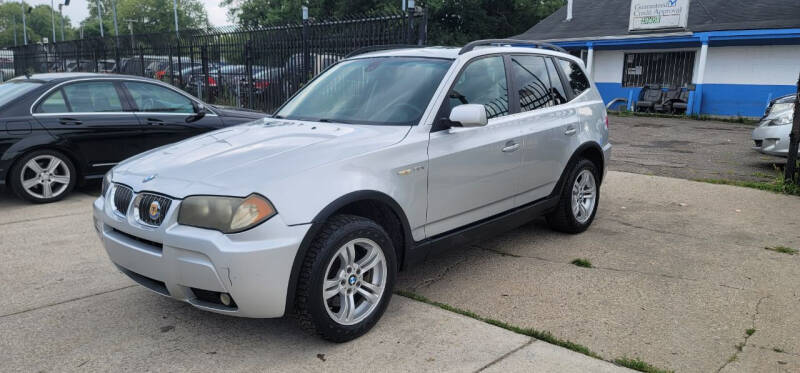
[144, 208]
[122, 198]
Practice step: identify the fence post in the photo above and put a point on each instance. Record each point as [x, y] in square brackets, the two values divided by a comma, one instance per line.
[171, 70]
[141, 60]
[306, 56]
[204, 62]
[794, 138]
[422, 39]
[248, 57]
[180, 65]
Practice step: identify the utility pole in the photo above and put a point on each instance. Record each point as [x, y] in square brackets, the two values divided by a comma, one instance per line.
[53, 18]
[24, 25]
[61, 14]
[15, 29]
[175, 12]
[100, 18]
[794, 138]
[114, 9]
[130, 29]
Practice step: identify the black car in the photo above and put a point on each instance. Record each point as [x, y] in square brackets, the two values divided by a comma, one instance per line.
[58, 130]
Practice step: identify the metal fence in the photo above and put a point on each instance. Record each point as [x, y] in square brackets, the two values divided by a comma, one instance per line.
[257, 68]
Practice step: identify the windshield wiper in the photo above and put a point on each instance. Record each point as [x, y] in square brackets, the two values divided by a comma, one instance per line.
[329, 120]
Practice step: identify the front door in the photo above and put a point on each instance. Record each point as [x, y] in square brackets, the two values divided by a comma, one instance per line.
[166, 116]
[474, 173]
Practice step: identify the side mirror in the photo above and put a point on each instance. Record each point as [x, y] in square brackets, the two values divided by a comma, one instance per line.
[199, 112]
[469, 115]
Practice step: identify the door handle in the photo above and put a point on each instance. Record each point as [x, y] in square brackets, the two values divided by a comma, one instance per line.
[155, 122]
[69, 121]
[510, 147]
[571, 131]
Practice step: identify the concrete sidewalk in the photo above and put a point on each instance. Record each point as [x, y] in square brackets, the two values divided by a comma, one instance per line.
[680, 274]
[66, 309]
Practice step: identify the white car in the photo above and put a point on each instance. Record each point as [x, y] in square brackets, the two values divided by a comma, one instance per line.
[383, 159]
[772, 134]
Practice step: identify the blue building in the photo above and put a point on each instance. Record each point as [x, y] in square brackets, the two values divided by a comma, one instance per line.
[736, 55]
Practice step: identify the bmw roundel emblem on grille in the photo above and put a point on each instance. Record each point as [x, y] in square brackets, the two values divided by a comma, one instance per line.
[154, 211]
[149, 178]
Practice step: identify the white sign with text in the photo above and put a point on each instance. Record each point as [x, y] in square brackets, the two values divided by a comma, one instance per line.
[658, 14]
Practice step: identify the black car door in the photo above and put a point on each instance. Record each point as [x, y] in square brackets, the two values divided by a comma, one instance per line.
[166, 115]
[92, 118]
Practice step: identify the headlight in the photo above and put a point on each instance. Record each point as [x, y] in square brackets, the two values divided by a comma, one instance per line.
[106, 182]
[781, 120]
[225, 214]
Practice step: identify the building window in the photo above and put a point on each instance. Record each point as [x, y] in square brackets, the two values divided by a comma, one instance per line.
[673, 69]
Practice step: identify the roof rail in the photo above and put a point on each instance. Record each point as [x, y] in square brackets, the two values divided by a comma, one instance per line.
[375, 48]
[526, 43]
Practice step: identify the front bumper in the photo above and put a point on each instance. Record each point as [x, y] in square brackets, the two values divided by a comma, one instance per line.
[772, 140]
[185, 263]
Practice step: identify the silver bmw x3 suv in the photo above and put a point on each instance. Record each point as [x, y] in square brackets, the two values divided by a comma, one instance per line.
[383, 159]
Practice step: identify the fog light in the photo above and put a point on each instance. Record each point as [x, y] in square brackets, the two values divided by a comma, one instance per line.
[225, 299]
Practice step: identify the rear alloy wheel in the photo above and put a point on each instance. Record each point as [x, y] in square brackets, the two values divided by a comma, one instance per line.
[43, 176]
[346, 280]
[577, 204]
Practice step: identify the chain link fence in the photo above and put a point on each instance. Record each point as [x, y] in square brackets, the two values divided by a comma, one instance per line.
[255, 68]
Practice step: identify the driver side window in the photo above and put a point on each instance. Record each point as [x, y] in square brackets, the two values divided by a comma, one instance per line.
[483, 82]
[154, 99]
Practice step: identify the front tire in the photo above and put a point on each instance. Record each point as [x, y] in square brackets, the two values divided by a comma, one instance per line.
[579, 199]
[43, 176]
[346, 280]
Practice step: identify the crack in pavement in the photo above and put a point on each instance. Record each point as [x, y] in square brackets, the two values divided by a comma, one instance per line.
[428, 282]
[41, 218]
[507, 354]
[609, 268]
[747, 336]
[65, 301]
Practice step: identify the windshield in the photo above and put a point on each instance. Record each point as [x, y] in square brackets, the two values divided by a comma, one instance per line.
[380, 90]
[16, 88]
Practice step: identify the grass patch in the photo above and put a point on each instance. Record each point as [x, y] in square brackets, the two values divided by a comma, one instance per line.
[582, 263]
[776, 185]
[750, 331]
[779, 350]
[782, 250]
[738, 119]
[639, 365]
[538, 334]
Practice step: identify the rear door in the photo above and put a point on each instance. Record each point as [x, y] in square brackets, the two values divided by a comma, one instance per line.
[92, 118]
[550, 124]
[166, 116]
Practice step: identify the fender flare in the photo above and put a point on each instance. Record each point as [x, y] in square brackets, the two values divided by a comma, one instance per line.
[319, 221]
[573, 159]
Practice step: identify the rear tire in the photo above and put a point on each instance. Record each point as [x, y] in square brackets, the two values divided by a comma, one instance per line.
[346, 280]
[43, 176]
[579, 199]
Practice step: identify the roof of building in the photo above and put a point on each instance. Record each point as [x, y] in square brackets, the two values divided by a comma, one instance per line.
[592, 18]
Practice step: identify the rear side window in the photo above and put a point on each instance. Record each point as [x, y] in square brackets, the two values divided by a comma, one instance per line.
[558, 92]
[483, 82]
[533, 83]
[93, 97]
[577, 79]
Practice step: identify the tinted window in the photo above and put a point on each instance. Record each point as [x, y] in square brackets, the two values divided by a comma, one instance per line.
[54, 103]
[15, 89]
[379, 90]
[93, 97]
[577, 80]
[152, 98]
[558, 92]
[532, 82]
[483, 82]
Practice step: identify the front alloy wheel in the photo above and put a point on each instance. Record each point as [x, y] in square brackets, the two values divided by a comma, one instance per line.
[346, 280]
[43, 176]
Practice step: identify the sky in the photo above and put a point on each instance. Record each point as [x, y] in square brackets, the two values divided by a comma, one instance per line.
[77, 10]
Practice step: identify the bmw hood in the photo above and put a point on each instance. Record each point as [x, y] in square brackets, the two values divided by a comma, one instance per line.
[237, 160]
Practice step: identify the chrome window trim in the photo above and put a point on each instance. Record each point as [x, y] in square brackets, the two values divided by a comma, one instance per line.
[114, 78]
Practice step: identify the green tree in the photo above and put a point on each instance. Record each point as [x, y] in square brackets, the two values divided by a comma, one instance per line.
[149, 16]
[38, 21]
[451, 22]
